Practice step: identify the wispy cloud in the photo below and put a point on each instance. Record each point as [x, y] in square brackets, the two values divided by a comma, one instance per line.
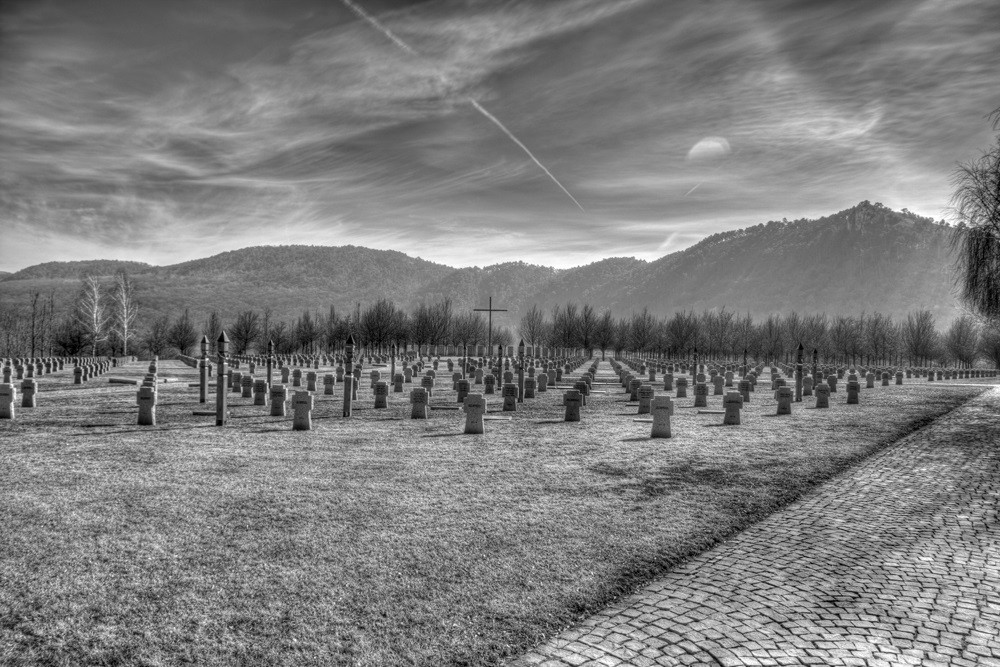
[160, 133]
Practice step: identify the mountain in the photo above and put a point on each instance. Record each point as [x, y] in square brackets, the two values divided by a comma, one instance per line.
[865, 258]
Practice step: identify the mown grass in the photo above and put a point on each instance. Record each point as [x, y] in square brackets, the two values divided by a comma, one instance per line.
[378, 540]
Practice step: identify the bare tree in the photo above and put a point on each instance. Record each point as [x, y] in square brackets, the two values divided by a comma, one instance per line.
[245, 331]
[213, 329]
[92, 312]
[919, 337]
[126, 310]
[642, 331]
[976, 201]
[604, 332]
[586, 326]
[379, 323]
[962, 340]
[156, 339]
[532, 326]
[182, 334]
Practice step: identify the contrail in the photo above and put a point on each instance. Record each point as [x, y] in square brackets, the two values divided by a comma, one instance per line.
[372, 21]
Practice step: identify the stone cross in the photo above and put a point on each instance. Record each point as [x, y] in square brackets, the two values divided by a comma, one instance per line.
[462, 386]
[573, 400]
[29, 388]
[529, 387]
[279, 395]
[475, 408]
[260, 388]
[418, 399]
[899, 376]
[302, 405]
[646, 394]
[297, 378]
[509, 393]
[489, 382]
[397, 383]
[823, 395]
[8, 397]
[701, 395]
[427, 383]
[668, 382]
[311, 381]
[682, 385]
[662, 408]
[145, 398]
[285, 371]
[853, 389]
[633, 389]
[247, 385]
[885, 379]
[732, 402]
[329, 380]
[831, 382]
[717, 383]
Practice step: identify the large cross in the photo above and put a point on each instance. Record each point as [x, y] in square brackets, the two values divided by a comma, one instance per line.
[490, 310]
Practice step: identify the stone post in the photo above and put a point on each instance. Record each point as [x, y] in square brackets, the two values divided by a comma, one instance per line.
[798, 373]
[220, 384]
[203, 372]
[520, 371]
[348, 374]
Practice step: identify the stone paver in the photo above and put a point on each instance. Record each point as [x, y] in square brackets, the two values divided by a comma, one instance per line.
[896, 562]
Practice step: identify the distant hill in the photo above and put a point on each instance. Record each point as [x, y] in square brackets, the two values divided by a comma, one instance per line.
[76, 270]
[865, 258]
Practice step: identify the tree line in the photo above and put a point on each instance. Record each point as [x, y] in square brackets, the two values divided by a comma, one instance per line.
[105, 318]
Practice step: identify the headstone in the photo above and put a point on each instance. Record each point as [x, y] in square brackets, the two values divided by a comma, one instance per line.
[682, 386]
[329, 380]
[573, 401]
[311, 381]
[145, 398]
[236, 382]
[646, 394]
[489, 382]
[285, 371]
[668, 382]
[662, 408]
[475, 409]
[302, 406]
[785, 396]
[260, 392]
[381, 394]
[807, 386]
[717, 383]
[407, 374]
[701, 395]
[279, 395]
[732, 402]
[427, 383]
[885, 379]
[8, 398]
[29, 388]
[831, 382]
[899, 376]
[509, 393]
[543, 383]
[823, 395]
[397, 383]
[529, 387]
[418, 401]
[853, 389]
[744, 387]
[247, 386]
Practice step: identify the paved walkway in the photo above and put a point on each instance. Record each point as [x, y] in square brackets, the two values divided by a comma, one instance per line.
[895, 562]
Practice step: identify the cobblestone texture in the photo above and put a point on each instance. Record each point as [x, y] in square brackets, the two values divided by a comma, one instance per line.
[896, 562]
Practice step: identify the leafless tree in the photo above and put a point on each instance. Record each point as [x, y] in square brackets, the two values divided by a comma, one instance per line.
[604, 332]
[532, 326]
[245, 331]
[126, 310]
[182, 334]
[92, 312]
[919, 337]
[962, 340]
[989, 342]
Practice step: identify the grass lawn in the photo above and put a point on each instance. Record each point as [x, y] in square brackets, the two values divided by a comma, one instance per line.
[379, 539]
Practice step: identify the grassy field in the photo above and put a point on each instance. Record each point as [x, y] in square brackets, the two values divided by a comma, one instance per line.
[379, 539]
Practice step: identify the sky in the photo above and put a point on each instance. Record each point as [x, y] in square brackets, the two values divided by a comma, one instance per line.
[171, 130]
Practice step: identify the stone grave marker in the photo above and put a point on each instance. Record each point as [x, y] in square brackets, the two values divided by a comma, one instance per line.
[662, 408]
[474, 406]
[302, 406]
[573, 400]
[732, 402]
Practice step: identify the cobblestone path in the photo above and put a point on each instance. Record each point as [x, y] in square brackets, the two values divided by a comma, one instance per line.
[895, 562]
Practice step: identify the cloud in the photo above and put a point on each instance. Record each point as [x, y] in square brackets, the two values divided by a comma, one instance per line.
[175, 133]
